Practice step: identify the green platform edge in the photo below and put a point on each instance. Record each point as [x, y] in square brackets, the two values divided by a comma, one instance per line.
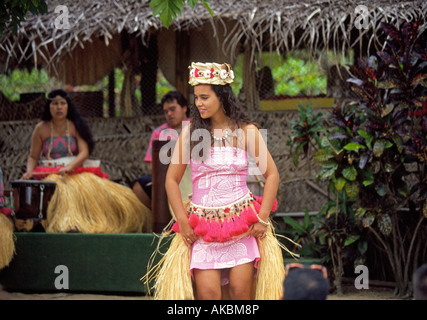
[95, 262]
[108, 263]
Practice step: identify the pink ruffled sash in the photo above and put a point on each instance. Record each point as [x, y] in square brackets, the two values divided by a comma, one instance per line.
[222, 223]
[42, 172]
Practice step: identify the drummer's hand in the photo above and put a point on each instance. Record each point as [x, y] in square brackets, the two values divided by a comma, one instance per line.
[64, 170]
[27, 176]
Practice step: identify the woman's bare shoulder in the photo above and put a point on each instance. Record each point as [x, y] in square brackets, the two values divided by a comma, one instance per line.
[249, 127]
[40, 127]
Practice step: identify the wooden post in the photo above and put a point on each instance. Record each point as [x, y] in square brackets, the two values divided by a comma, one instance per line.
[249, 88]
[159, 199]
[149, 57]
[111, 95]
[182, 61]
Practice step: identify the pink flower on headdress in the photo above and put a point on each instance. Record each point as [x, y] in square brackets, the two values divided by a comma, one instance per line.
[212, 72]
[196, 73]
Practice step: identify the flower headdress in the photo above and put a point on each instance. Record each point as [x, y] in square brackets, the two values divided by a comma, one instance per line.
[210, 73]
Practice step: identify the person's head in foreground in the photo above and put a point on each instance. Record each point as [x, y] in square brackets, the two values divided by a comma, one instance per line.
[420, 283]
[305, 282]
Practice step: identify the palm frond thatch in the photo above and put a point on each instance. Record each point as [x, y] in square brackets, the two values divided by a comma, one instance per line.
[280, 25]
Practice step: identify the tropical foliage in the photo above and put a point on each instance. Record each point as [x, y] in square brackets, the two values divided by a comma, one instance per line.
[23, 81]
[13, 12]
[393, 142]
[306, 131]
[293, 74]
[170, 9]
[375, 159]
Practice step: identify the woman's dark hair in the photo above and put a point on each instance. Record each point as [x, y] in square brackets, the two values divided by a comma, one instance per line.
[72, 114]
[231, 107]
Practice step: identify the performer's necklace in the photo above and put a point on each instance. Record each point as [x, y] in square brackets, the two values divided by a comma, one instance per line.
[223, 139]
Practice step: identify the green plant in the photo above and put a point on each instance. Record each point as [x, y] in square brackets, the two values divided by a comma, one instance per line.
[170, 9]
[303, 235]
[336, 225]
[293, 74]
[305, 134]
[297, 74]
[24, 81]
[393, 139]
[375, 158]
[13, 12]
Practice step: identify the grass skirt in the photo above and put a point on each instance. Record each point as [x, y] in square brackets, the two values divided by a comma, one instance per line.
[86, 203]
[7, 241]
[172, 278]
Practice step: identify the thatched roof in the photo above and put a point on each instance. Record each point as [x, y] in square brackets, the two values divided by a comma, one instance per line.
[280, 25]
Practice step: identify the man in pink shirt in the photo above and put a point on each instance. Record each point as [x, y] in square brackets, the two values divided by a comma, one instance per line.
[175, 109]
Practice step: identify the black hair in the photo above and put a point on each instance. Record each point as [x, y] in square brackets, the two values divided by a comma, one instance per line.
[73, 114]
[179, 97]
[305, 284]
[231, 107]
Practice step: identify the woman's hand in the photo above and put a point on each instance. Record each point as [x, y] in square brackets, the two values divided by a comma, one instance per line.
[65, 170]
[258, 230]
[27, 176]
[187, 233]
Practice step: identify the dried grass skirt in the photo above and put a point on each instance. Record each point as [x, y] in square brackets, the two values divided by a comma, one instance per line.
[7, 241]
[86, 203]
[172, 277]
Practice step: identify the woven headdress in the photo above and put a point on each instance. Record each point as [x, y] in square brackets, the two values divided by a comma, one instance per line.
[210, 73]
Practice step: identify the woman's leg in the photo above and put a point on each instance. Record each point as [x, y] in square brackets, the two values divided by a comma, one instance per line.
[208, 284]
[241, 278]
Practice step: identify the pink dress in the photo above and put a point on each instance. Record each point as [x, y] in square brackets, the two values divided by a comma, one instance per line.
[218, 182]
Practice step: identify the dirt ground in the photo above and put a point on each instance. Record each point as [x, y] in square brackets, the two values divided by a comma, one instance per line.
[373, 293]
[350, 293]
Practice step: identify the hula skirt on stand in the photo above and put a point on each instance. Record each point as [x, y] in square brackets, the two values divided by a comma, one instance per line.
[86, 201]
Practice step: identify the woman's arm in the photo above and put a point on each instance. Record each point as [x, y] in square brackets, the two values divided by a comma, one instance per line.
[258, 150]
[83, 154]
[179, 160]
[35, 151]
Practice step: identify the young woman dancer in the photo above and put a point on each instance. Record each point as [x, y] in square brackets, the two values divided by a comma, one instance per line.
[226, 239]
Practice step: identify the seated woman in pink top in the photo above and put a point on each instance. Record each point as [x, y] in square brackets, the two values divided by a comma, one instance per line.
[85, 200]
[225, 227]
[61, 133]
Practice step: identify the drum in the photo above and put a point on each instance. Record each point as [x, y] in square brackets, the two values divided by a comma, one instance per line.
[31, 199]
